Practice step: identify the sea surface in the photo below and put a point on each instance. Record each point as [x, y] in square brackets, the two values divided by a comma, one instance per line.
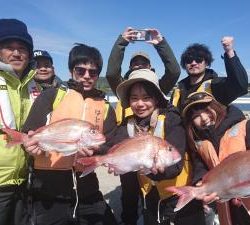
[243, 106]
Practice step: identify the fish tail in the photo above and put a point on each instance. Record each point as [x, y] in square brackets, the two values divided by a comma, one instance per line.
[88, 165]
[185, 193]
[15, 136]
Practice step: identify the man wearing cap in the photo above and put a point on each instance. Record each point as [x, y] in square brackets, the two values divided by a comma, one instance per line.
[141, 60]
[45, 73]
[17, 93]
[196, 60]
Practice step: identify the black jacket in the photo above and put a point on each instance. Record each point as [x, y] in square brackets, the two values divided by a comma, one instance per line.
[58, 184]
[54, 81]
[167, 81]
[224, 89]
[175, 135]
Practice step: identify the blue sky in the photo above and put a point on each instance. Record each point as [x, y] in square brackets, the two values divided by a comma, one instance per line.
[57, 25]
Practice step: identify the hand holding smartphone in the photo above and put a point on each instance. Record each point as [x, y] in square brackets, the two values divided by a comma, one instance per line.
[141, 35]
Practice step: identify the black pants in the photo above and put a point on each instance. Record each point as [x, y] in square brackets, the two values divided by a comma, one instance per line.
[58, 212]
[12, 210]
[191, 214]
[239, 215]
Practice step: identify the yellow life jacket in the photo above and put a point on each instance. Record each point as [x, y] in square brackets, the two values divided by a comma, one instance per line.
[232, 141]
[7, 117]
[183, 178]
[122, 113]
[205, 86]
[70, 104]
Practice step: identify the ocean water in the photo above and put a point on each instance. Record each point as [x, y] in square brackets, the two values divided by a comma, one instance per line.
[243, 106]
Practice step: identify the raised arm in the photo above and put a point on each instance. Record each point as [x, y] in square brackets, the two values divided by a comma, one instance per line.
[113, 73]
[172, 68]
[227, 89]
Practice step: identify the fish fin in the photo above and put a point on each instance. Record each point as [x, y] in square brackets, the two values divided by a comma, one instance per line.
[88, 161]
[15, 136]
[88, 165]
[186, 194]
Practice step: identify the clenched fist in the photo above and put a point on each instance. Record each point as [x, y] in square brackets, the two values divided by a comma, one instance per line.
[227, 43]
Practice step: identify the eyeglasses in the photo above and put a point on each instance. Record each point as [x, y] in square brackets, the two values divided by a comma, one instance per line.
[191, 58]
[20, 50]
[81, 71]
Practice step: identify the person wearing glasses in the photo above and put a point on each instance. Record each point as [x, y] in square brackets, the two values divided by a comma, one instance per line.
[215, 131]
[60, 196]
[45, 72]
[18, 90]
[140, 60]
[196, 60]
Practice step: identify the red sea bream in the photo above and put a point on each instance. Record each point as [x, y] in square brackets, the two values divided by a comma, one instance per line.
[65, 136]
[230, 179]
[133, 154]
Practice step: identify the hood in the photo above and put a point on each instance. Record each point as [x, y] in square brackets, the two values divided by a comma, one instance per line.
[7, 68]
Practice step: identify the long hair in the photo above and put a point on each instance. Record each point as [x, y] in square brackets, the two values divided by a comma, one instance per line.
[191, 131]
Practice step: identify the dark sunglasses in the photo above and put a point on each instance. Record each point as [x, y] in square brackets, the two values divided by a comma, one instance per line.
[80, 71]
[197, 59]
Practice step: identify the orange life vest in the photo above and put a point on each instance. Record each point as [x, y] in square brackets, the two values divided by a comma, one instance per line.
[232, 141]
[71, 106]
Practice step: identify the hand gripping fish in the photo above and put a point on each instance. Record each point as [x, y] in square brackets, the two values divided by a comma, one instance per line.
[133, 154]
[66, 136]
[230, 179]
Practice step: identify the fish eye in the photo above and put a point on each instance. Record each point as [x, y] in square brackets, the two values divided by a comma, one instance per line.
[170, 148]
[92, 131]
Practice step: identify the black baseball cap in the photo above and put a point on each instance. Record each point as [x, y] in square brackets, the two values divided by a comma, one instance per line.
[42, 53]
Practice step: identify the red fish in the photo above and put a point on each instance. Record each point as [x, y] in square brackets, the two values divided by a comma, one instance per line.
[65, 136]
[230, 179]
[133, 154]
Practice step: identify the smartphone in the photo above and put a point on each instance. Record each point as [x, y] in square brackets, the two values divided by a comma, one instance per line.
[141, 35]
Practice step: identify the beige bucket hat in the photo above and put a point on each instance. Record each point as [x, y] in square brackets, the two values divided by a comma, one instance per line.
[134, 77]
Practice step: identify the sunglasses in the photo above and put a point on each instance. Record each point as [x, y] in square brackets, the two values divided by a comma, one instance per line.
[80, 71]
[197, 59]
